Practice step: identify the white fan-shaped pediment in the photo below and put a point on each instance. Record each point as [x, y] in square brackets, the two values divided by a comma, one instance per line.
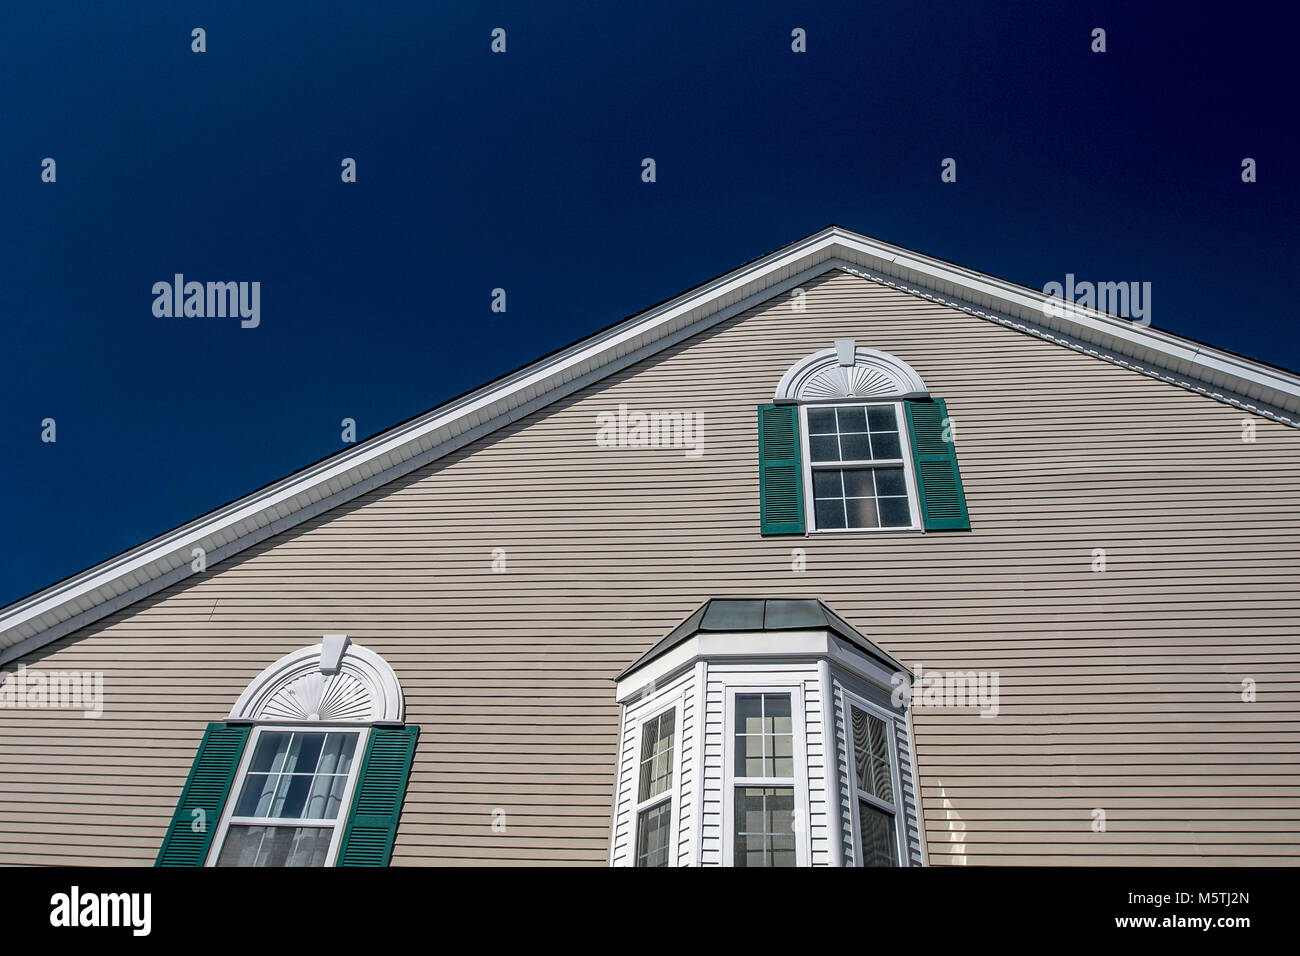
[823, 376]
[320, 697]
[359, 687]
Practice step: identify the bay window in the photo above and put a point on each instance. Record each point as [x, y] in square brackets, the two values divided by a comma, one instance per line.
[875, 808]
[654, 797]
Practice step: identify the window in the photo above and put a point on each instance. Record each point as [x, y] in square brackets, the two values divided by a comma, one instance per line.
[874, 789]
[764, 781]
[290, 798]
[858, 467]
[654, 799]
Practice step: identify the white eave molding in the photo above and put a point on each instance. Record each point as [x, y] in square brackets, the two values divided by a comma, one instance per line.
[165, 560]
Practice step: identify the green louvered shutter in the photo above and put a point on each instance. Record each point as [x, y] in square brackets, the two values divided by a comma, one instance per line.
[189, 836]
[377, 806]
[780, 470]
[938, 481]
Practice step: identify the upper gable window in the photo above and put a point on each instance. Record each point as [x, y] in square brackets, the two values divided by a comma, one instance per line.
[855, 442]
[858, 468]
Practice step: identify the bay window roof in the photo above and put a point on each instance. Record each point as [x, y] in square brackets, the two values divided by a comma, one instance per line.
[741, 616]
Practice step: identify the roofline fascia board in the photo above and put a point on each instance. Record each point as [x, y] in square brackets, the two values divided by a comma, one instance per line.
[91, 594]
[1024, 304]
[1271, 393]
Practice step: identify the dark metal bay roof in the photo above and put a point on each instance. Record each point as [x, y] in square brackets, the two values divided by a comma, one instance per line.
[758, 615]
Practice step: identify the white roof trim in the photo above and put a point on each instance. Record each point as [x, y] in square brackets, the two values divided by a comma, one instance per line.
[144, 570]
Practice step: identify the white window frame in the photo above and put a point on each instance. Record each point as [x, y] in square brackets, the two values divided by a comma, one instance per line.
[673, 791]
[907, 464]
[898, 808]
[237, 786]
[802, 850]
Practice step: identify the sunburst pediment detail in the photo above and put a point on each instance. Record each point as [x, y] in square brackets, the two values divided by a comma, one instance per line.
[318, 697]
[849, 372]
[329, 682]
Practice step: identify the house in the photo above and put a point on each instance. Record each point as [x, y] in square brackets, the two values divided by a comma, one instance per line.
[850, 556]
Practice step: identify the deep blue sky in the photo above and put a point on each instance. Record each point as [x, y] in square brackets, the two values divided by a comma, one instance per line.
[522, 171]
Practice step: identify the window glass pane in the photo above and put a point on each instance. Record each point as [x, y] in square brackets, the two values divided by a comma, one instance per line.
[890, 481]
[821, 421]
[852, 418]
[304, 752]
[764, 819]
[829, 512]
[886, 445]
[271, 750]
[857, 483]
[824, 447]
[255, 801]
[894, 513]
[336, 757]
[881, 419]
[862, 513]
[879, 839]
[652, 835]
[275, 846]
[749, 713]
[871, 755]
[657, 755]
[855, 447]
[827, 484]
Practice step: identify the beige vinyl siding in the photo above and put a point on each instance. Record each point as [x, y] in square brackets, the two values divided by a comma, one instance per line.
[1120, 690]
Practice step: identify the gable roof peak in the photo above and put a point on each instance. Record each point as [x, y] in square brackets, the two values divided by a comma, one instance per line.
[53, 612]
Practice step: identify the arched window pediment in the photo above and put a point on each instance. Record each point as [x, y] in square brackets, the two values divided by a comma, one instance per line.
[334, 681]
[849, 371]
